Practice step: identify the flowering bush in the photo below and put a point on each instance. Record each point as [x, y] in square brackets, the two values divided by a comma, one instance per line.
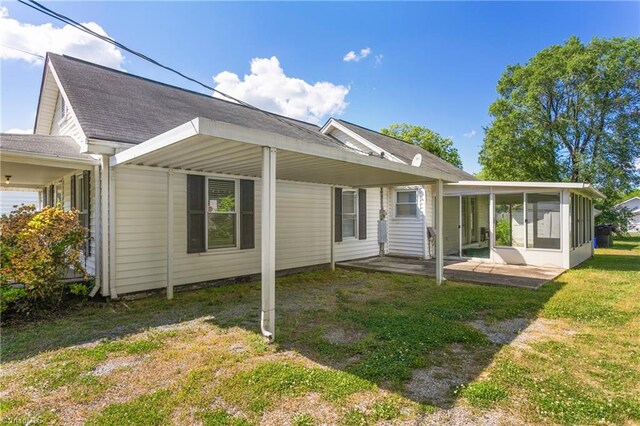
[36, 249]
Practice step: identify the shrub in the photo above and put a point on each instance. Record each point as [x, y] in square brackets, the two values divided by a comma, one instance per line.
[36, 249]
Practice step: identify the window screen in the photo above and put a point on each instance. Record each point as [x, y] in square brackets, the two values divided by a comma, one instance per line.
[349, 214]
[221, 213]
[406, 203]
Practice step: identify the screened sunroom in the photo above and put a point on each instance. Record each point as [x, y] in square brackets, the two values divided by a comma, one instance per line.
[521, 223]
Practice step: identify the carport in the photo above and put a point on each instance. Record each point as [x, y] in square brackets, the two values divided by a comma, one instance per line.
[208, 146]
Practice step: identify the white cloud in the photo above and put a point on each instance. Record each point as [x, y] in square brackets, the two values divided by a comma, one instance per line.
[352, 56]
[469, 134]
[269, 88]
[378, 58]
[17, 131]
[40, 39]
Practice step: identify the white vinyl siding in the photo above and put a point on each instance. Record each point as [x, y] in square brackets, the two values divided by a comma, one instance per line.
[303, 216]
[352, 248]
[406, 233]
[141, 224]
[8, 199]
[65, 124]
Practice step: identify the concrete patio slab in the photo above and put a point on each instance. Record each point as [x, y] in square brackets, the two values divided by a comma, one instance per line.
[521, 276]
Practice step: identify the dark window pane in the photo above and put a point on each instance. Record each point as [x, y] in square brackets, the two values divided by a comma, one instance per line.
[406, 210]
[407, 197]
[222, 230]
[222, 197]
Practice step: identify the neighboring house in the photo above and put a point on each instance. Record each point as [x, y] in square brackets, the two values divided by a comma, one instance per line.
[633, 205]
[177, 187]
[9, 200]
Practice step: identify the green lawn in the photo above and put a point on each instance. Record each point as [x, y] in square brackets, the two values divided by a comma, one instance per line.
[353, 348]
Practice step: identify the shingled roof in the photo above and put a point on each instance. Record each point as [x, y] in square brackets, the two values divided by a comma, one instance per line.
[115, 106]
[50, 146]
[406, 151]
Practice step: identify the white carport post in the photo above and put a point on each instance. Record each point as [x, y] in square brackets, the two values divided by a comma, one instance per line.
[439, 236]
[268, 226]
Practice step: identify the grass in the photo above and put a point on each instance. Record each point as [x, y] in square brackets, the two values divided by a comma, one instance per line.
[349, 347]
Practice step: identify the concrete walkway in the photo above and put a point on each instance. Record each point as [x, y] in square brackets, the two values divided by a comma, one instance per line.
[530, 277]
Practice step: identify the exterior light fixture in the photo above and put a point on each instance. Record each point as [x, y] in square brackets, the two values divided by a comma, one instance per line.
[7, 179]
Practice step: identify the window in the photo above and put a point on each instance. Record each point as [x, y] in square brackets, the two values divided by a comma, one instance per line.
[543, 221]
[221, 214]
[406, 204]
[58, 197]
[349, 214]
[509, 219]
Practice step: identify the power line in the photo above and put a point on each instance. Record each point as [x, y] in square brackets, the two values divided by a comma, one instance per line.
[22, 51]
[65, 19]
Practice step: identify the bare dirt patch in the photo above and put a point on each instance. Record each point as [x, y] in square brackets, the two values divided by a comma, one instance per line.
[464, 416]
[311, 404]
[344, 336]
[542, 329]
[115, 364]
[501, 332]
[436, 384]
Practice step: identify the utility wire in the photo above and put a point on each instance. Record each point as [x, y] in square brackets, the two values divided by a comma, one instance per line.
[65, 19]
[22, 51]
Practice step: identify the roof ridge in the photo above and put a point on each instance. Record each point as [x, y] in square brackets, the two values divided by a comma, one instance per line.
[171, 86]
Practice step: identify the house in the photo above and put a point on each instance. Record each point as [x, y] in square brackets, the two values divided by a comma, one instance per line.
[177, 187]
[633, 205]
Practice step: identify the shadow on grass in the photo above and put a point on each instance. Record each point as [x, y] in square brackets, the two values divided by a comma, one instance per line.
[403, 333]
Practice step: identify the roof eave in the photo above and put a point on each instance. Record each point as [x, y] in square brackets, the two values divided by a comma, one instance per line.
[211, 128]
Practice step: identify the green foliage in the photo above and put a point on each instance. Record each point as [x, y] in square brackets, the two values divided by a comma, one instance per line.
[617, 216]
[222, 418]
[569, 113]
[503, 232]
[36, 248]
[303, 420]
[146, 410]
[258, 388]
[483, 394]
[385, 410]
[426, 139]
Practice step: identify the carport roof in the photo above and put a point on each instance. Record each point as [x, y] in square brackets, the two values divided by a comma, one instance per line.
[208, 146]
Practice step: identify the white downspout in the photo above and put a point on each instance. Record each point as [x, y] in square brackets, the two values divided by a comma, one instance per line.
[332, 239]
[268, 272]
[97, 230]
[439, 237]
[112, 232]
[104, 223]
[170, 234]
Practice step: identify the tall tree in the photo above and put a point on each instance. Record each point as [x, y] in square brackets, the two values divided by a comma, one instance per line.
[426, 139]
[571, 113]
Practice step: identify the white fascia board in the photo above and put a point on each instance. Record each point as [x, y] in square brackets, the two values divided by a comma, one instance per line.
[164, 140]
[74, 117]
[333, 124]
[232, 132]
[48, 160]
[559, 185]
[626, 201]
[99, 146]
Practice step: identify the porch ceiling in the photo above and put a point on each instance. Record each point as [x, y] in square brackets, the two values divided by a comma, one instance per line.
[213, 147]
[34, 172]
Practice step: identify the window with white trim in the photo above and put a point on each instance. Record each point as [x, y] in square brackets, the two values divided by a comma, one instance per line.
[349, 214]
[406, 204]
[222, 217]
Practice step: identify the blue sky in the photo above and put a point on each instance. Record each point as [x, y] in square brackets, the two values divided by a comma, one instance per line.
[431, 64]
